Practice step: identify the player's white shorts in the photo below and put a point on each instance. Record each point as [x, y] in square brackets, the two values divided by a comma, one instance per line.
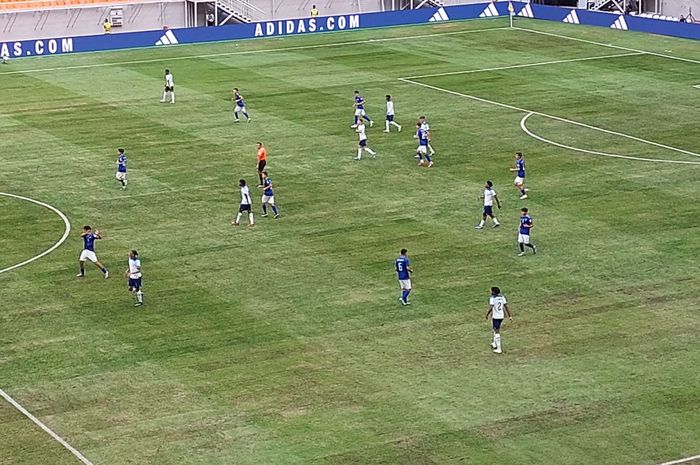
[518, 180]
[88, 255]
[405, 284]
[238, 109]
[523, 238]
[268, 199]
[359, 112]
[422, 149]
[121, 176]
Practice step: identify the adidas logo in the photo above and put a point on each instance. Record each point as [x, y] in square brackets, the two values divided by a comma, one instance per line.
[440, 15]
[167, 39]
[489, 11]
[526, 12]
[620, 24]
[572, 18]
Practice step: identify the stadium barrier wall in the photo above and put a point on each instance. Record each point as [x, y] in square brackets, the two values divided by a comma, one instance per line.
[62, 45]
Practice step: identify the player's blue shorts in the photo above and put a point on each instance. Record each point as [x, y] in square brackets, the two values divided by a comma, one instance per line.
[488, 210]
[244, 208]
[390, 117]
[497, 322]
[135, 283]
[363, 143]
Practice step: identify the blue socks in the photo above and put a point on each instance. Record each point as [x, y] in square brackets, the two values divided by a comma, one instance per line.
[367, 118]
[104, 270]
[274, 209]
[404, 294]
[264, 209]
[427, 157]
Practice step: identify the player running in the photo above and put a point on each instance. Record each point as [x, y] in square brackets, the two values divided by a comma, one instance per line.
[268, 197]
[359, 106]
[134, 274]
[390, 114]
[240, 106]
[262, 161]
[169, 87]
[246, 205]
[524, 233]
[422, 149]
[403, 271]
[498, 310]
[520, 177]
[88, 253]
[121, 168]
[362, 144]
[489, 197]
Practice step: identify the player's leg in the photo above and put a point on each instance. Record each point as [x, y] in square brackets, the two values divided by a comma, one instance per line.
[394, 123]
[172, 95]
[497, 338]
[484, 215]
[137, 292]
[526, 241]
[251, 220]
[264, 206]
[245, 113]
[430, 148]
[430, 161]
[82, 268]
[237, 221]
[271, 201]
[101, 267]
[495, 220]
[165, 94]
[387, 122]
[521, 244]
[370, 151]
[406, 292]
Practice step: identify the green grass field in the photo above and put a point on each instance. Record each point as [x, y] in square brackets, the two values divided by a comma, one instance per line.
[285, 344]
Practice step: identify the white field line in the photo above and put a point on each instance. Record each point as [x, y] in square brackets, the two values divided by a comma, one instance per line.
[593, 152]
[545, 115]
[53, 247]
[679, 461]
[561, 36]
[48, 430]
[527, 65]
[251, 52]
[697, 87]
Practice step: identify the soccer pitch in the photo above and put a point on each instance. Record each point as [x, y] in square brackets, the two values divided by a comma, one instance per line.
[285, 343]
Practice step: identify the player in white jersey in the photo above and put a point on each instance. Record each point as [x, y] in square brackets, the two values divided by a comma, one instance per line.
[498, 310]
[169, 87]
[5, 58]
[390, 114]
[246, 205]
[362, 144]
[489, 197]
[133, 274]
[426, 127]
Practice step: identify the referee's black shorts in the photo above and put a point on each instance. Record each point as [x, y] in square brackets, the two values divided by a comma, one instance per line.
[261, 164]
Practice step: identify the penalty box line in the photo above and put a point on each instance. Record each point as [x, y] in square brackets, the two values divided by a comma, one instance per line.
[46, 429]
[545, 115]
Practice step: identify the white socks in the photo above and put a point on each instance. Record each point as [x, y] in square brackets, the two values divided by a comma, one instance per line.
[495, 221]
[497, 342]
[238, 218]
[250, 218]
[139, 297]
[481, 223]
[370, 151]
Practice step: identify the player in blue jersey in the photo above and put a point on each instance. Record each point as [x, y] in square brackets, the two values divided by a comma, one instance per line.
[240, 106]
[498, 310]
[524, 232]
[489, 196]
[121, 168]
[520, 176]
[88, 253]
[359, 106]
[426, 127]
[133, 274]
[268, 197]
[422, 149]
[403, 271]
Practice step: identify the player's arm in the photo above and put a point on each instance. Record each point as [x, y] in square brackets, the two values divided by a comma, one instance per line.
[514, 169]
[508, 314]
[529, 225]
[97, 234]
[488, 313]
[498, 202]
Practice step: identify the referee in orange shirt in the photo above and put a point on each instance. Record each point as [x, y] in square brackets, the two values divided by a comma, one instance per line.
[262, 161]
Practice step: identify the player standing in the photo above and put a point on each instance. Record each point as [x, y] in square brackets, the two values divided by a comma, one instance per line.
[403, 271]
[489, 196]
[268, 197]
[240, 106]
[262, 161]
[425, 126]
[362, 144]
[520, 177]
[422, 149]
[390, 114]
[169, 87]
[359, 106]
[134, 274]
[88, 253]
[524, 232]
[246, 205]
[121, 168]
[498, 310]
